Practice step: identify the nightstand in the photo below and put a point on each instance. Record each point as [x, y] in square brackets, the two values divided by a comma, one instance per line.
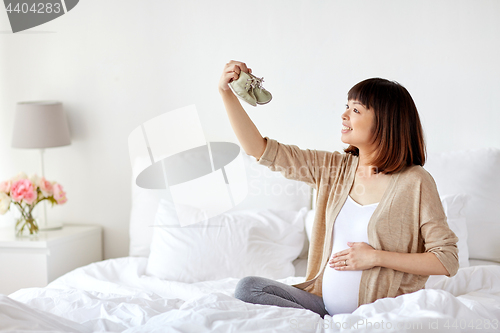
[26, 262]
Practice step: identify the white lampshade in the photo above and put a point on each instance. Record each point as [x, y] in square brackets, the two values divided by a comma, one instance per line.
[40, 124]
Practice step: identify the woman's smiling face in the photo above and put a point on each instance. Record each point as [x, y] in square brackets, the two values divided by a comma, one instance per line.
[360, 121]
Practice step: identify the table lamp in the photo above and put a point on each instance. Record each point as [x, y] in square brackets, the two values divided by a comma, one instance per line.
[41, 124]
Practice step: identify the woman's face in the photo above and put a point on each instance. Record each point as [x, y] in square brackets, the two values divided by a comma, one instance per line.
[360, 121]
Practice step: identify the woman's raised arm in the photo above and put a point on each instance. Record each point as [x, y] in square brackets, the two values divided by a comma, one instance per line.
[247, 133]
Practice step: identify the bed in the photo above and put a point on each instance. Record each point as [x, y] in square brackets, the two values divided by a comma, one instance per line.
[182, 279]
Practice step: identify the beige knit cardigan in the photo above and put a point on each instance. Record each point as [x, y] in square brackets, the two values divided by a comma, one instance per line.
[409, 218]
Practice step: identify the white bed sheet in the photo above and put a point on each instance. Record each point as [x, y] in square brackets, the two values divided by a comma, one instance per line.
[115, 296]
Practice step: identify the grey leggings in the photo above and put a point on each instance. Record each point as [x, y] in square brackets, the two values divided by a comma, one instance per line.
[259, 290]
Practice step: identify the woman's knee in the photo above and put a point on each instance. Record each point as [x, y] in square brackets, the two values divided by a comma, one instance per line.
[243, 290]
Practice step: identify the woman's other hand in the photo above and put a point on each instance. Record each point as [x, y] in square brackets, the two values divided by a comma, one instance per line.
[231, 73]
[359, 256]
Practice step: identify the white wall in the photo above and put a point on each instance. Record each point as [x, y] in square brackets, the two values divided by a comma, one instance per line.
[117, 63]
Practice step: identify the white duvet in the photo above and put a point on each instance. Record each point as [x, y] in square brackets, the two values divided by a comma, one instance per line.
[115, 296]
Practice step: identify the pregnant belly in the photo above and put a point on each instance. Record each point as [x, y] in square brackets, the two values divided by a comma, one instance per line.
[340, 290]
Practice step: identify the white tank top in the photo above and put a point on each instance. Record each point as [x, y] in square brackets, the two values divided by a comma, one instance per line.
[341, 288]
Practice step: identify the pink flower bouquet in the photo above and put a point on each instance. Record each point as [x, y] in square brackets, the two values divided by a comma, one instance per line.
[26, 193]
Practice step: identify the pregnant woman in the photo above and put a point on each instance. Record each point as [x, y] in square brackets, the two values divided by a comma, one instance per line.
[380, 229]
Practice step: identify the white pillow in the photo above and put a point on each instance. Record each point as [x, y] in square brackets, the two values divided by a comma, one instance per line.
[267, 190]
[454, 209]
[309, 222]
[234, 244]
[474, 172]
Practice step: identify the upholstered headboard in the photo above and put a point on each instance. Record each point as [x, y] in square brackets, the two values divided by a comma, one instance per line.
[472, 172]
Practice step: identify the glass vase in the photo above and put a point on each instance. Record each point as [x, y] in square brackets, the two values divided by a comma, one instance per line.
[26, 226]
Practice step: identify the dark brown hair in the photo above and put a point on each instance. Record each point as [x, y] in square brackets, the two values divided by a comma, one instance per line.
[397, 130]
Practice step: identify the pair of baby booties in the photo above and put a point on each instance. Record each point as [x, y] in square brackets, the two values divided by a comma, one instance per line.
[249, 88]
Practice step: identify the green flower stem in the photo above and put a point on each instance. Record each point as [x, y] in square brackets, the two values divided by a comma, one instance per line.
[21, 208]
[26, 220]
